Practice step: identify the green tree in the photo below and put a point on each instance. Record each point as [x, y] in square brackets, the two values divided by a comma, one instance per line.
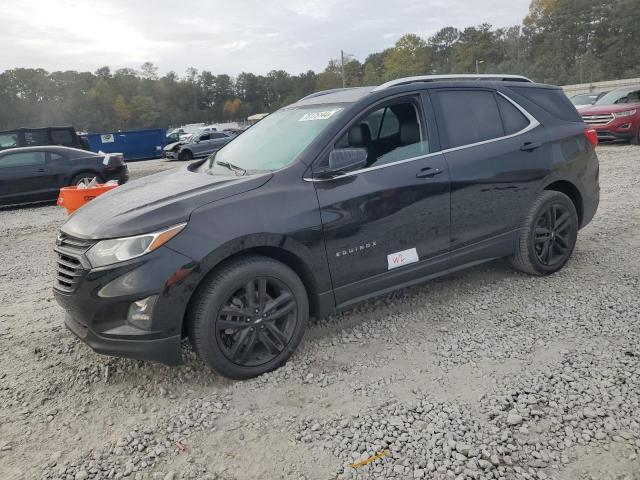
[408, 57]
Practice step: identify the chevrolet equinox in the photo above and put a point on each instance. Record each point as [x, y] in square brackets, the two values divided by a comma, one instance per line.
[339, 197]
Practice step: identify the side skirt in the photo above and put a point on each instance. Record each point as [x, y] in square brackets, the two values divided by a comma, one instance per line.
[469, 256]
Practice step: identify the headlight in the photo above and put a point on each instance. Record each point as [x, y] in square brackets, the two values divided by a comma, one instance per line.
[107, 252]
[627, 113]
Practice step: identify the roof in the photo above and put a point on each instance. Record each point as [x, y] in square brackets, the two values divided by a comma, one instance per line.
[337, 95]
[350, 95]
[51, 148]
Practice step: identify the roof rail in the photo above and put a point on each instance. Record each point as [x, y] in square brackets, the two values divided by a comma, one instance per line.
[437, 78]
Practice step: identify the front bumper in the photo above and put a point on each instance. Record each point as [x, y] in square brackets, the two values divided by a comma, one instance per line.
[172, 155]
[164, 350]
[97, 304]
[622, 129]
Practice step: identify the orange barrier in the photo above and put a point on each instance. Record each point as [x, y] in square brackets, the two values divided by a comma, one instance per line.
[72, 198]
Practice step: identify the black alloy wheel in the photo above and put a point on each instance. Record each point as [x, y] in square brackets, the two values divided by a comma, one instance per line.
[248, 316]
[548, 234]
[552, 234]
[256, 322]
[185, 156]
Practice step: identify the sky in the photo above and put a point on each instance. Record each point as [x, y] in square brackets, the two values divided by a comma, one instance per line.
[224, 36]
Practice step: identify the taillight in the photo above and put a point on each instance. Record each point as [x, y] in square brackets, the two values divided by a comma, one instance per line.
[592, 136]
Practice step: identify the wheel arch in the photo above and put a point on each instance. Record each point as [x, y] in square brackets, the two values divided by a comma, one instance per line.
[274, 252]
[83, 171]
[571, 191]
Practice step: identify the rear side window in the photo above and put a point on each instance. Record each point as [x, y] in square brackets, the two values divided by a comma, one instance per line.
[469, 116]
[217, 136]
[512, 119]
[552, 100]
[62, 137]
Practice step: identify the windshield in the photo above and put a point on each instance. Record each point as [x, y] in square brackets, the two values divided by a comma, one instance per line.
[618, 97]
[583, 99]
[277, 140]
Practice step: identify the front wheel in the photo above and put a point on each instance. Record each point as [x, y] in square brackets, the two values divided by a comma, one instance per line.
[548, 236]
[635, 140]
[186, 155]
[249, 318]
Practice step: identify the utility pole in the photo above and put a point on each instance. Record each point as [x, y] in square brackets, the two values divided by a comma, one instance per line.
[344, 84]
[478, 62]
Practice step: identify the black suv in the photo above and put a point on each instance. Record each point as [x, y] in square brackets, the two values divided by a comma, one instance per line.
[341, 196]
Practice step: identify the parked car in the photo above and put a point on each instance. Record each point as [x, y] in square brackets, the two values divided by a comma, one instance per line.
[234, 131]
[184, 132]
[341, 196]
[36, 174]
[198, 145]
[32, 137]
[616, 116]
[583, 100]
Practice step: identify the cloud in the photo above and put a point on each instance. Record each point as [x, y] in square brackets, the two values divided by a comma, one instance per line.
[223, 37]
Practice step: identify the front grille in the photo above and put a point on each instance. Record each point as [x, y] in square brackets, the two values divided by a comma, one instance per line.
[69, 262]
[598, 119]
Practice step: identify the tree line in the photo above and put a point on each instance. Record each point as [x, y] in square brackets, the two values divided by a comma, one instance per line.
[559, 42]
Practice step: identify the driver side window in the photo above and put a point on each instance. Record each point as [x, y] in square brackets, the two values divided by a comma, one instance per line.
[389, 134]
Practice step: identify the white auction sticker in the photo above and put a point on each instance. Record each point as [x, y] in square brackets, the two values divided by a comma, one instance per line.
[107, 138]
[404, 257]
[307, 117]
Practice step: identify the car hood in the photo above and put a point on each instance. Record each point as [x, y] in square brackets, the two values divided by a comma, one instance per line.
[170, 146]
[154, 202]
[604, 109]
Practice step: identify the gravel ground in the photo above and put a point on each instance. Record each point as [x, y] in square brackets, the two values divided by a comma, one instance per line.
[483, 374]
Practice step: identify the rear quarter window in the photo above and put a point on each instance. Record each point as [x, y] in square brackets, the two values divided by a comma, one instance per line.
[512, 118]
[552, 100]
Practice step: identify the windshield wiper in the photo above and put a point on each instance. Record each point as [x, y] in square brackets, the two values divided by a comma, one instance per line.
[231, 166]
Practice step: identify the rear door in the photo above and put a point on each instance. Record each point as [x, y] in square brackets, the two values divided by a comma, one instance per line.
[497, 154]
[23, 177]
[387, 223]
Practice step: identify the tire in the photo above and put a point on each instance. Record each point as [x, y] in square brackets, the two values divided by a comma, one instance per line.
[185, 156]
[87, 176]
[635, 140]
[541, 250]
[247, 340]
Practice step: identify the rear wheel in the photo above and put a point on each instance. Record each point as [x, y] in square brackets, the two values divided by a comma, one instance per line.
[86, 178]
[185, 155]
[548, 236]
[249, 318]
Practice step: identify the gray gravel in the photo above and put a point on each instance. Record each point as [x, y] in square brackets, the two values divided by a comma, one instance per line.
[486, 374]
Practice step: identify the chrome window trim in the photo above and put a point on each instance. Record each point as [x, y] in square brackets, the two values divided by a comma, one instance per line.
[533, 123]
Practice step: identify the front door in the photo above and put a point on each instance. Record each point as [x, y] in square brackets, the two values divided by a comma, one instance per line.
[23, 177]
[388, 222]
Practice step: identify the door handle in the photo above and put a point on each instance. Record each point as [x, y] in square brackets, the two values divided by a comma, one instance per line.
[40, 170]
[428, 172]
[530, 146]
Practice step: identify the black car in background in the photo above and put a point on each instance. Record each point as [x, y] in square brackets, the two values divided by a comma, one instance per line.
[341, 196]
[36, 174]
[32, 137]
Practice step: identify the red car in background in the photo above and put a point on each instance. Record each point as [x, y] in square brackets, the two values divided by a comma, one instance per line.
[616, 116]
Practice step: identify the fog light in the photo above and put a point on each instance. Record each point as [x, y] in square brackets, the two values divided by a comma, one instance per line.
[141, 311]
[625, 126]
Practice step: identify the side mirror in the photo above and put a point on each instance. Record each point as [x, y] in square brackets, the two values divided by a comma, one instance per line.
[342, 160]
